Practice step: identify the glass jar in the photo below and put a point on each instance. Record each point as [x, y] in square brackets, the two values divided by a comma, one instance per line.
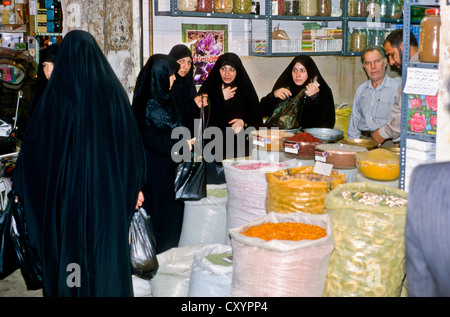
[375, 37]
[383, 8]
[361, 8]
[373, 8]
[323, 8]
[308, 8]
[223, 6]
[394, 9]
[204, 5]
[351, 8]
[278, 7]
[187, 5]
[359, 39]
[242, 6]
[292, 7]
[429, 36]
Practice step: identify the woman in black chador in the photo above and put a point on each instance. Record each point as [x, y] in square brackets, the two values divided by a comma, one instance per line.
[233, 104]
[184, 92]
[79, 174]
[317, 105]
[157, 116]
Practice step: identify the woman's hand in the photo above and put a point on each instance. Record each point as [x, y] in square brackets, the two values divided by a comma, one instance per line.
[201, 98]
[237, 125]
[282, 93]
[140, 200]
[228, 92]
[312, 89]
[191, 143]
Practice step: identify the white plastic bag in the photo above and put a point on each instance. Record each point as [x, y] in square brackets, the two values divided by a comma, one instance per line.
[205, 220]
[281, 268]
[210, 279]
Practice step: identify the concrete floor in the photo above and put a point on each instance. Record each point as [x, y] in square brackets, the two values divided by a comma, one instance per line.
[14, 286]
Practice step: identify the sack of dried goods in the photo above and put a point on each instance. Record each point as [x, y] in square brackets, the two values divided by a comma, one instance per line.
[247, 187]
[205, 220]
[300, 189]
[369, 227]
[212, 272]
[281, 255]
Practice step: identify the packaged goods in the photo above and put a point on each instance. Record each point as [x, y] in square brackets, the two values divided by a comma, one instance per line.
[212, 271]
[324, 8]
[270, 139]
[429, 36]
[242, 6]
[368, 228]
[299, 189]
[308, 8]
[223, 6]
[187, 5]
[204, 5]
[281, 268]
[292, 7]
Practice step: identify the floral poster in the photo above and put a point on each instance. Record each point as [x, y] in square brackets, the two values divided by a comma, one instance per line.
[207, 43]
[422, 114]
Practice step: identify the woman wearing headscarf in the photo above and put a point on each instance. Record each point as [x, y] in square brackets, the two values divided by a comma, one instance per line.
[47, 58]
[157, 116]
[233, 104]
[184, 92]
[317, 104]
[79, 174]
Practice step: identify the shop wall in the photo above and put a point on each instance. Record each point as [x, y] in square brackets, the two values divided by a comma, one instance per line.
[116, 27]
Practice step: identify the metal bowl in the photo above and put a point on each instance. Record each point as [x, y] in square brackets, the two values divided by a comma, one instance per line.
[325, 134]
[368, 144]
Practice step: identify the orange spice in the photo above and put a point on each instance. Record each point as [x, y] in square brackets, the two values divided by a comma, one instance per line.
[286, 231]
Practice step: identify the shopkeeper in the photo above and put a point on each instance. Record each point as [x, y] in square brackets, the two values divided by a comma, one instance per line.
[374, 98]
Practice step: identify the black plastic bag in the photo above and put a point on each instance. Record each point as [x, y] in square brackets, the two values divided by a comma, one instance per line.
[142, 240]
[30, 265]
[8, 259]
[288, 113]
[190, 181]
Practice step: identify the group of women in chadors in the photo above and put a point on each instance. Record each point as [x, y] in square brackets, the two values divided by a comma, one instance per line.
[89, 154]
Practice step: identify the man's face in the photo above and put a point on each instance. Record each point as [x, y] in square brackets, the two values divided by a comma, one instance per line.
[394, 55]
[374, 65]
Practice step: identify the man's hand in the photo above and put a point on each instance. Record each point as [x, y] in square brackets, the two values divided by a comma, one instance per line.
[377, 137]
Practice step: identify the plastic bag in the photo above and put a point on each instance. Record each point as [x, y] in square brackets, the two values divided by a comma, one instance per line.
[144, 262]
[190, 181]
[281, 267]
[209, 276]
[288, 113]
[287, 193]
[8, 258]
[369, 254]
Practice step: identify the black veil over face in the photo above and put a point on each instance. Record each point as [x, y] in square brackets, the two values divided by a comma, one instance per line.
[79, 171]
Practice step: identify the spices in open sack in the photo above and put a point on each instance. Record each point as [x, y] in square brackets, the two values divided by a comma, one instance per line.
[294, 231]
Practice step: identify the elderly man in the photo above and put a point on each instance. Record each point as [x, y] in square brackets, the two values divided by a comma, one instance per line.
[373, 100]
[393, 46]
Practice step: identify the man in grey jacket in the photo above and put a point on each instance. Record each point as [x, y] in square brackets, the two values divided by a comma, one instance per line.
[393, 46]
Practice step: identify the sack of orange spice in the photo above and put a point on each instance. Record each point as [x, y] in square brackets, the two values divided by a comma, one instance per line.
[300, 189]
[285, 266]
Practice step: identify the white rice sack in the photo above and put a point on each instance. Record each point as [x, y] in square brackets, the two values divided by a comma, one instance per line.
[212, 272]
[247, 188]
[172, 278]
[281, 268]
[141, 287]
[205, 220]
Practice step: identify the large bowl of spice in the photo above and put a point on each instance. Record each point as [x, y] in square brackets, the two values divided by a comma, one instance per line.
[340, 155]
[301, 145]
[379, 164]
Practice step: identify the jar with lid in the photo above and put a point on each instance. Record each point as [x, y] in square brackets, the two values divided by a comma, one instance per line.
[223, 6]
[351, 7]
[373, 8]
[242, 6]
[292, 7]
[308, 8]
[278, 7]
[187, 5]
[204, 5]
[383, 8]
[429, 36]
[375, 37]
[394, 9]
[359, 39]
[361, 8]
[323, 8]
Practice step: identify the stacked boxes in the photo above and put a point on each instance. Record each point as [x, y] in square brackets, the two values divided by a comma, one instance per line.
[321, 40]
[417, 153]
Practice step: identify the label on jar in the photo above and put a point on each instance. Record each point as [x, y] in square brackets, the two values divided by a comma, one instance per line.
[291, 148]
[320, 156]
